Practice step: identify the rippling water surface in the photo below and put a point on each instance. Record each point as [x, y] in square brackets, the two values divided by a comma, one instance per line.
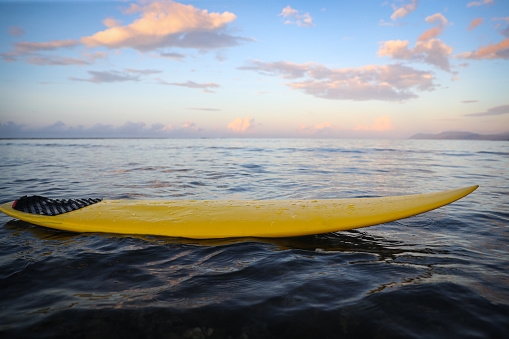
[444, 273]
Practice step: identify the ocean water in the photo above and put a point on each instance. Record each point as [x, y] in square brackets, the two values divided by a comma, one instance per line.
[441, 274]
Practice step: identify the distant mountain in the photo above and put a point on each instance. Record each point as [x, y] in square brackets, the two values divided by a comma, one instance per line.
[457, 135]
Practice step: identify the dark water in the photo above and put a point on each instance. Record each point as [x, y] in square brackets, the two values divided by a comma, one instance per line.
[444, 273]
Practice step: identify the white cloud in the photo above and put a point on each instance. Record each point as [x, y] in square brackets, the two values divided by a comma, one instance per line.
[294, 16]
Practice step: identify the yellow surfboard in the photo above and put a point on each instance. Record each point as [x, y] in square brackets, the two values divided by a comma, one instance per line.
[202, 219]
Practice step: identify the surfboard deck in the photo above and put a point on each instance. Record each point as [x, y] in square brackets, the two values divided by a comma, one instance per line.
[207, 219]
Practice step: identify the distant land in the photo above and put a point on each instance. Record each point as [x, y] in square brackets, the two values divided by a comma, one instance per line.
[458, 135]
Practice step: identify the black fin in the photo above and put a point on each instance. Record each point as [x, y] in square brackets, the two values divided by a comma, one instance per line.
[40, 205]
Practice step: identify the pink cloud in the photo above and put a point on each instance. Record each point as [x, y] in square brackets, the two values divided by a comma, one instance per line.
[161, 24]
[111, 22]
[433, 52]
[479, 3]
[431, 33]
[318, 129]
[440, 21]
[295, 17]
[400, 12]
[497, 51]
[372, 82]
[240, 125]
[474, 23]
[381, 124]
[167, 24]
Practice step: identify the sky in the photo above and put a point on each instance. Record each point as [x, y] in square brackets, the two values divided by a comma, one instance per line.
[234, 68]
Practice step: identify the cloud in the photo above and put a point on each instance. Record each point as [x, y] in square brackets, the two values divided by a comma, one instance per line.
[168, 24]
[172, 56]
[469, 101]
[474, 23]
[373, 82]
[191, 84]
[400, 12]
[15, 31]
[296, 17]
[127, 130]
[433, 52]
[111, 22]
[240, 125]
[497, 51]
[440, 21]
[285, 69]
[437, 18]
[204, 109]
[479, 3]
[381, 124]
[24, 49]
[56, 61]
[29, 47]
[143, 71]
[499, 110]
[318, 129]
[109, 76]
[161, 24]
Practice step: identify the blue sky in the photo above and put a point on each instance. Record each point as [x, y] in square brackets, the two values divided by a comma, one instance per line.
[346, 69]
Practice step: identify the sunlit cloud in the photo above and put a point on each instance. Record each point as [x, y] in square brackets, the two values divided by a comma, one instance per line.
[381, 124]
[404, 10]
[373, 82]
[433, 52]
[111, 22]
[168, 24]
[499, 110]
[240, 125]
[294, 16]
[474, 23]
[440, 21]
[161, 24]
[496, 51]
[479, 3]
